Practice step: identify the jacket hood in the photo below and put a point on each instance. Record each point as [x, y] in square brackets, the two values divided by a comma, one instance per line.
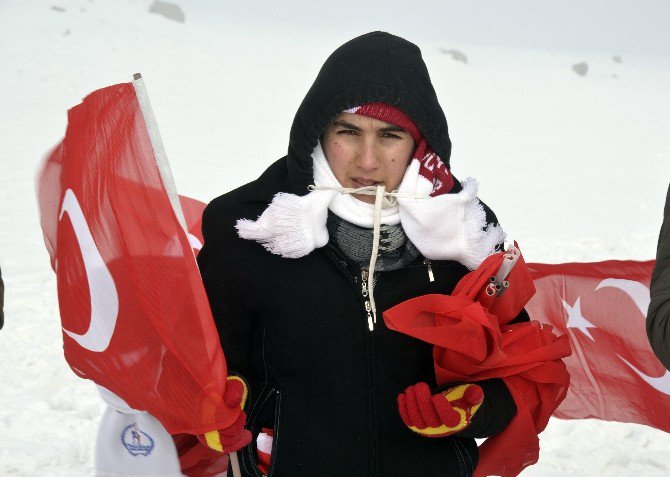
[375, 67]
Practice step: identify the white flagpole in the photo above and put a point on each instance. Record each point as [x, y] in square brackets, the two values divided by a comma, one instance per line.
[159, 149]
[168, 182]
[234, 463]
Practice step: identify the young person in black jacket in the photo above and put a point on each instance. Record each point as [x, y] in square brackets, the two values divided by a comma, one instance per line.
[300, 264]
[658, 316]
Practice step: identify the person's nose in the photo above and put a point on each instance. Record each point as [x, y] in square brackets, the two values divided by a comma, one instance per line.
[368, 156]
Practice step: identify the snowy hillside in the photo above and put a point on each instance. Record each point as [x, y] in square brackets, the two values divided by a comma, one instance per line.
[575, 160]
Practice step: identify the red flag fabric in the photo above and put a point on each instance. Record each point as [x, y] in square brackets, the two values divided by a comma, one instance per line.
[472, 344]
[134, 312]
[193, 210]
[602, 307]
[197, 460]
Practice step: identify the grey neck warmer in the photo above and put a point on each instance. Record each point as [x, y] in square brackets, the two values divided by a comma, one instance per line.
[395, 249]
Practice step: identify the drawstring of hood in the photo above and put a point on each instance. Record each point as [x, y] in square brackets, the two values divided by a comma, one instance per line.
[383, 199]
[379, 197]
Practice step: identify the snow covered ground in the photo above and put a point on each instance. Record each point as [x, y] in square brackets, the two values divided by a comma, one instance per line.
[576, 168]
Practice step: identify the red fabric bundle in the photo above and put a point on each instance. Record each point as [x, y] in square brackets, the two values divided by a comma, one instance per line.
[473, 342]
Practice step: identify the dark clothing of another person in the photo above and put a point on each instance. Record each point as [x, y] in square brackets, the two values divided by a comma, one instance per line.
[658, 317]
[2, 302]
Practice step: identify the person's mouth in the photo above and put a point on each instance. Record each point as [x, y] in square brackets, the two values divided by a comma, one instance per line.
[364, 182]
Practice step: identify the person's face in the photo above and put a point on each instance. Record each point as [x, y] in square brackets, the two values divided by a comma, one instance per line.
[363, 151]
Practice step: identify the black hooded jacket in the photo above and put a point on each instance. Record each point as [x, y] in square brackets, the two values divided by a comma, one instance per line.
[296, 329]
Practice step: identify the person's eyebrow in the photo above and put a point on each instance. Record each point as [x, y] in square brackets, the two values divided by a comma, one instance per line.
[346, 125]
[392, 129]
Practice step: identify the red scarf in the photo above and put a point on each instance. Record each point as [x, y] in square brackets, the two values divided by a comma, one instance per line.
[473, 342]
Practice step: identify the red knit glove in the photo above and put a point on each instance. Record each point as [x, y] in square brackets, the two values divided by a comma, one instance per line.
[441, 414]
[235, 436]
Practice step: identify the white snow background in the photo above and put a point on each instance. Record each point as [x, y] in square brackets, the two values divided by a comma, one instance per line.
[576, 167]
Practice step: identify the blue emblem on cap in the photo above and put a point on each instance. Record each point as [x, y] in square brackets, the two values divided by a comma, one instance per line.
[137, 441]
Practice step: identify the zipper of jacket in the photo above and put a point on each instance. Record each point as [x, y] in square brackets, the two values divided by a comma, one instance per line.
[366, 299]
[368, 310]
[428, 264]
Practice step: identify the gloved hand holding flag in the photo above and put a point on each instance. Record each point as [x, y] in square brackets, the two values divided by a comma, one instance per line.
[442, 414]
[235, 436]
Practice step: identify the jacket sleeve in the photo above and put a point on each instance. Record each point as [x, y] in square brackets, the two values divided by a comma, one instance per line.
[234, 324]
[658, 315]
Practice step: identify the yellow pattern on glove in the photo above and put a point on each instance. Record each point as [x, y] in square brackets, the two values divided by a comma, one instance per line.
[235, 436]
[441, 414]
[245, 390]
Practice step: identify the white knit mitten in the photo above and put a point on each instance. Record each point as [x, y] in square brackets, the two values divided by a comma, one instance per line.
[292, 226]
[447, 226]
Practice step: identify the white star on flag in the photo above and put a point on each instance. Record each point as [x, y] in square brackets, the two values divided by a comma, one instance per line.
[576, 319]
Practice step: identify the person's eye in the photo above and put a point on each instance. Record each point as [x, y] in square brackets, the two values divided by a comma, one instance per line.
[347, 132]
[390, 135]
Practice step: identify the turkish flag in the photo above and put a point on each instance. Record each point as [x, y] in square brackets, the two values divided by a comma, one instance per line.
[134, 312]
[614, 374]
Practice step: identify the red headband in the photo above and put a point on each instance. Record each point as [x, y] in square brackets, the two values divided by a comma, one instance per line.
[389, 114]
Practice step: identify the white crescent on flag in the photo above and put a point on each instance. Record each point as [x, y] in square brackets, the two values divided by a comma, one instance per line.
[660, 384]
[103, 293]
[636, 290]
[639, 293]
